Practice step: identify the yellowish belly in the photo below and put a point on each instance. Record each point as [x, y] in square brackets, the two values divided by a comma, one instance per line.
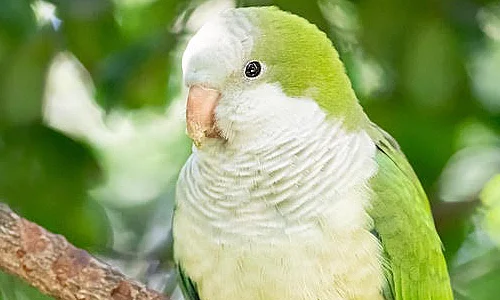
[321, 265]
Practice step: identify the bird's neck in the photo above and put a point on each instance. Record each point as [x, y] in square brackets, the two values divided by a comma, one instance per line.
[281, 187]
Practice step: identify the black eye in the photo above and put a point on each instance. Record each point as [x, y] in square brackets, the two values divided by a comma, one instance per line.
[252, 69]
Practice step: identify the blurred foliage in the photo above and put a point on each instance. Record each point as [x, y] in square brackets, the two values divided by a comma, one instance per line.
[92, 133]
[490, 196]
[44, 176]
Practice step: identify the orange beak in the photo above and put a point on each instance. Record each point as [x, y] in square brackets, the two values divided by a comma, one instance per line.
[200, 113]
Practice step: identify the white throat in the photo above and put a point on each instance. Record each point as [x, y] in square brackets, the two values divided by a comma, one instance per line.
[283, 185]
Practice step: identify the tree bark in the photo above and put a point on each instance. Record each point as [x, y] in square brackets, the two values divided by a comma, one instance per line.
[55, 267]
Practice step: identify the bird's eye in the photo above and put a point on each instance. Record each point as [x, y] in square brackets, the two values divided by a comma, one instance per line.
[253, 69]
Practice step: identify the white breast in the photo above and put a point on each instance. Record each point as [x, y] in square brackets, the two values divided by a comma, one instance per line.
[285, 220]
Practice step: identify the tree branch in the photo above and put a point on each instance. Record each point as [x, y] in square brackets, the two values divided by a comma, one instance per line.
[51, 264]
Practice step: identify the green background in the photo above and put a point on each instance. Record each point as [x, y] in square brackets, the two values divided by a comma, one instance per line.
[92, 133]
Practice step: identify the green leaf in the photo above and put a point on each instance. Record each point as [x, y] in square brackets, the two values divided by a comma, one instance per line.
[23, 78]
[13, 288]
[490, 197]
[16, 23]
[44, 176]
[90, 30]
[137, 76]
[436, 89]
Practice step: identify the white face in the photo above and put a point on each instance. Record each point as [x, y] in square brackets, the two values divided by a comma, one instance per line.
[215, 52]
[250, 109]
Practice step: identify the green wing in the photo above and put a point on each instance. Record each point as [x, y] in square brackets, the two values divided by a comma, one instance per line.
[188, 287]
[415, 266]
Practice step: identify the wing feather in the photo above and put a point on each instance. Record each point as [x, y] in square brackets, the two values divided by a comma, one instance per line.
[403, 220]
[188, 287]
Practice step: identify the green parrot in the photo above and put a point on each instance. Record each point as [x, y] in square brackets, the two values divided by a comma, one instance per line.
[291, 192]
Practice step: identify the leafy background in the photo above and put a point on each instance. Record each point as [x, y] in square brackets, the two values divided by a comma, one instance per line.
[92, 133]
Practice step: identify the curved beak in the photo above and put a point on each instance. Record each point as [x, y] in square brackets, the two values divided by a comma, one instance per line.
[200, 113]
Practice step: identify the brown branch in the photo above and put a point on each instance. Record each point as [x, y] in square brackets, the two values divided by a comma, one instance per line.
[51, 264]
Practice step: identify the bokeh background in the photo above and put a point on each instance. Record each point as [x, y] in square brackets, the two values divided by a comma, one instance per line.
[92, 118]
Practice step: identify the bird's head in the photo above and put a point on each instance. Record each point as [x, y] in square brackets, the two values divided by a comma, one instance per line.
[254, 73]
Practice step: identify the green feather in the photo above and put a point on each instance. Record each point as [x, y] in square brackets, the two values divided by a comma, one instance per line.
[404, 223]
[188, 287]
[304, 62]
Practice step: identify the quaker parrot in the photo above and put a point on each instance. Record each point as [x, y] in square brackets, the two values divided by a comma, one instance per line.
[291, 192]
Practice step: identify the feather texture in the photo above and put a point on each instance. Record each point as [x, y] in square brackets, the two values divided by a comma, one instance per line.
[403, 221]
[283, 219]
[303, 199]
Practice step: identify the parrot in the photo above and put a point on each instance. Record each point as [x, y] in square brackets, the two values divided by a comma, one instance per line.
[291, 192]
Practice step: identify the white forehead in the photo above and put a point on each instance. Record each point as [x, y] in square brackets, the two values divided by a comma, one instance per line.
[221, 46]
